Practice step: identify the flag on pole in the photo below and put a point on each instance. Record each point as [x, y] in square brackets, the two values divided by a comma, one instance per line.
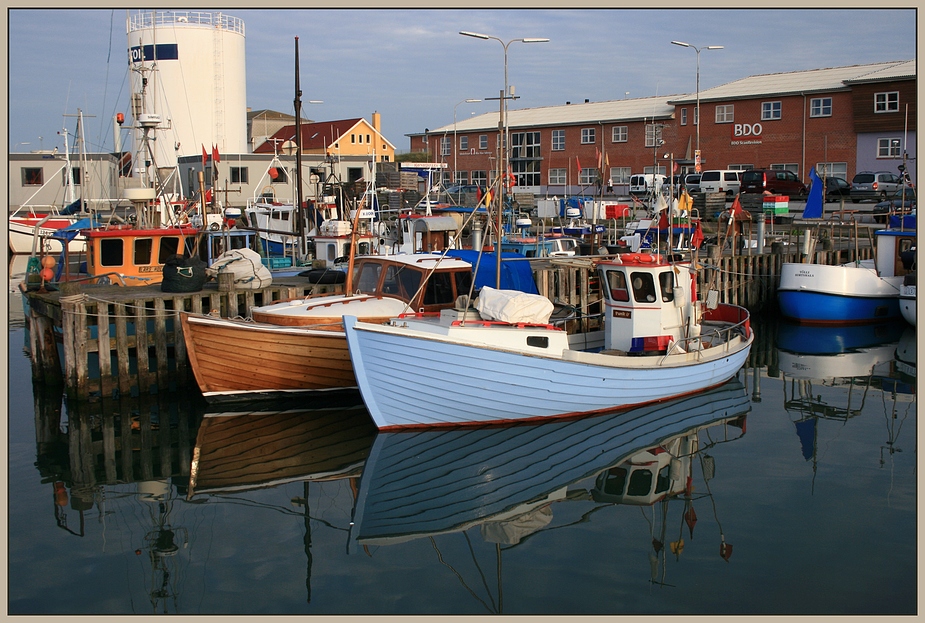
[814, 200]
[578, 162]
[205, 156]
[215, 157]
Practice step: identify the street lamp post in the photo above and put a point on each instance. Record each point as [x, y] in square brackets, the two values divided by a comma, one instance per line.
[697, 120]
[504, 135]
[455, 146]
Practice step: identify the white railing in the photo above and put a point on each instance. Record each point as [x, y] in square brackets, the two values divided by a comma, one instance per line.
[150, 19]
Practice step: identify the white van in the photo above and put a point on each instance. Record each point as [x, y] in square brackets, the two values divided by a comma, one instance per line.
[641, 183]
[726, 181]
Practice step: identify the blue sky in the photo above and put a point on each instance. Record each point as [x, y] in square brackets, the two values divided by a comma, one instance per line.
[413, 67]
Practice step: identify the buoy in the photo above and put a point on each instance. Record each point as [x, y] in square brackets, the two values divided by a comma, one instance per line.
[48, 261]
[46, 274]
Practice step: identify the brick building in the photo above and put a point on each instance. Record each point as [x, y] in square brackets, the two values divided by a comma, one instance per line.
[843, 119]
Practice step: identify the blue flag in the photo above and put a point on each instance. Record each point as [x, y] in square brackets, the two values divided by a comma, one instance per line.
[815, 199]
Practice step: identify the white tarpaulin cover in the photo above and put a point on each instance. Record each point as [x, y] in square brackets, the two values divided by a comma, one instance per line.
[513, 306]
[249, 271]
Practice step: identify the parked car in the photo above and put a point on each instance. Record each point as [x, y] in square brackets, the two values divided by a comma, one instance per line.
[641, 183]
[464, 194]
[874, 185]
[836, 188]
[726, 181]
[774, 181]
[900, 203]
[692, 183]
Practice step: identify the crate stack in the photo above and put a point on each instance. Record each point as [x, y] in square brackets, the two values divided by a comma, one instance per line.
[776, 206]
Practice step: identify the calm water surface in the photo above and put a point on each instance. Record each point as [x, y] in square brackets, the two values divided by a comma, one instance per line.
[791, 490]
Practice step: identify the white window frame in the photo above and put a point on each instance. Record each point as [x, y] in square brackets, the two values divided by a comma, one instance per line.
[820, 107]
[832, 169]
[889, 147]
[886, 102]
[683, 116]
[725, 113]
[557, 177]
[588, 136]
[621, 175]
[793, 167]
[588, 176]
[558, 140]
[446, 146]
[463, 143]
[483, 142]
[771, 111]
[619, 134]
[653, 134]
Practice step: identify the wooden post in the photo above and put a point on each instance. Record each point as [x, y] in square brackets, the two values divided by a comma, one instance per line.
[140, 314]
[122, 357]
[160, 344]
[103, 348]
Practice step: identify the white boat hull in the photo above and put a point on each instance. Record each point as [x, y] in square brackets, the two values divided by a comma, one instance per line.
[907, 303]
[817, 293]
[22, 235]
[418, 379]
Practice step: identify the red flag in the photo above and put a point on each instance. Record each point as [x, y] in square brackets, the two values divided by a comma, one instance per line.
[215, 157]
[599, 162]
[697, 236]
[579, 165]
[205, 156]
[736, 208]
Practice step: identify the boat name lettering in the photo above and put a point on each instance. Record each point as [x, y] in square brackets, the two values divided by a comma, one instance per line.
[622, 313]
[150, 269]
[805, 273]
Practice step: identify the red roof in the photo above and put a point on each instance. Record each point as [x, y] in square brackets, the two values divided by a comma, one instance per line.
[315, 136]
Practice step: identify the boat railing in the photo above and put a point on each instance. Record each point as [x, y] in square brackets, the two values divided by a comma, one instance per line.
[716, 333]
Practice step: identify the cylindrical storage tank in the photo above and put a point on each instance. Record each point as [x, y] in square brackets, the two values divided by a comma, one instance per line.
[196, 97]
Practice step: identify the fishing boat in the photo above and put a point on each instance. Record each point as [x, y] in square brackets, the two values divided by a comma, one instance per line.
[505, 362]
[857, 292]
[299, 345]
[423, 483]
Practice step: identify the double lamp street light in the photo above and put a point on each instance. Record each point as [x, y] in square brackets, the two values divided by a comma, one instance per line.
[697, 114]
[505, 136]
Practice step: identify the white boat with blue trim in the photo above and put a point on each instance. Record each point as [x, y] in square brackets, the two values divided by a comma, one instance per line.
[502, 362]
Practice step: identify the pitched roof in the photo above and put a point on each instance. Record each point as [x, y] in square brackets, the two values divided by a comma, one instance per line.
[635, 109]
[315, 136]
[797, 82]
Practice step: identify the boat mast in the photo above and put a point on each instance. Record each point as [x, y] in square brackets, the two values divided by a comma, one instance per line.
[303, 251]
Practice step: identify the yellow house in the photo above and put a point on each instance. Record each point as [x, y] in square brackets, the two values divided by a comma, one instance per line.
[347, 137]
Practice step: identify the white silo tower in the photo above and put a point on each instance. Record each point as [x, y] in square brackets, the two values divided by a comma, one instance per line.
[188, 85]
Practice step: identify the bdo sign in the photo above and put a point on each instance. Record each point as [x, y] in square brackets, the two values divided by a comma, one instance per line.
[746, 129]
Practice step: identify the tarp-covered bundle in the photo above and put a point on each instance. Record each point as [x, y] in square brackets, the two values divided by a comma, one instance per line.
[249, 272]
[183, 274]
[513, 306]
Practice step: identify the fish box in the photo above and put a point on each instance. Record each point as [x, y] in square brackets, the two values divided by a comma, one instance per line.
[776, 209]
[276, 262]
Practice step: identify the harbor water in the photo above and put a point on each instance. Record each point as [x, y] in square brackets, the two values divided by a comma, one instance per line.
[789, 490]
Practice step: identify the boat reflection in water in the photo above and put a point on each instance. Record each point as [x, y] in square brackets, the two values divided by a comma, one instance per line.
[261, 446]
[864, 362]
[419, 484]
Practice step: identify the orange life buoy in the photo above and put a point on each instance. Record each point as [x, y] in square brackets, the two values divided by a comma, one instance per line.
[642, 258]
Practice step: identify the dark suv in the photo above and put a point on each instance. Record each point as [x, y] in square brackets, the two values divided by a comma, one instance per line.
[774, 181]
[877, 185]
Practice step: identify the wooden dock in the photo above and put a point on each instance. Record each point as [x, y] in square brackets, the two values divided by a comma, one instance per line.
[110, 341]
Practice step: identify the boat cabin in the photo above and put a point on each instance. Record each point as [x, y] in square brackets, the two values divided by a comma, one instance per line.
[539, 246]
[401, 276]
[130, 256]
[892, 244]
[647, 302]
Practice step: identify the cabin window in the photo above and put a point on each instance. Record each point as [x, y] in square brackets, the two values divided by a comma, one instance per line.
[666, 280]
[368, 279]
[439, 290]
[615, 481]
[663, 481]
[640, 483]
[111, 252]
[538, 341]
[363, 248]
[616, 280]
[643, 287]
[332, 252]
[170, 245]
[142, 251]
[463, 282]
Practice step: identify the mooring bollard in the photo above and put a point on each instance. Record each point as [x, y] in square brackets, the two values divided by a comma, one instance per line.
[225, 281]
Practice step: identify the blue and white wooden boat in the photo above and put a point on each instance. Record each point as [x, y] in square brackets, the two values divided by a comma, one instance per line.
[503, 362]
[854, 293]
[427, 482]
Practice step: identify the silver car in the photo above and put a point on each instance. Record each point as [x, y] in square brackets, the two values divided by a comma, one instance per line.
[876, 185]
